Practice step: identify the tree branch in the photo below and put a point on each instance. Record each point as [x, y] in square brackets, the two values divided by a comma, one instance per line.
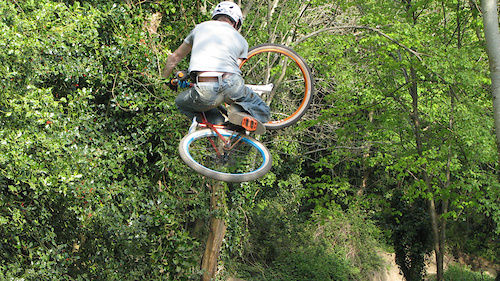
[305, 37]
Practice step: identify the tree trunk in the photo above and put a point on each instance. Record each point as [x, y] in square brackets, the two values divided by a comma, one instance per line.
[438, 246]
[216, 234]
[492, 38]
[247, 8]
[433, 213]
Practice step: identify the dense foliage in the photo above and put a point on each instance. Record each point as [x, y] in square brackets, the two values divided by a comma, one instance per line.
[92, 186]
[85, 132]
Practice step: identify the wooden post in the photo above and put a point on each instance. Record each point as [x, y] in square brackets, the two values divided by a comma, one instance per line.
[216, 234]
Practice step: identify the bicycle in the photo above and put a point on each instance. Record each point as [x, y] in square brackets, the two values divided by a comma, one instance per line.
[284, 81]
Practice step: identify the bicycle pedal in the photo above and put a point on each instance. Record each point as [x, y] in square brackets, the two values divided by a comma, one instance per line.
[249, 123]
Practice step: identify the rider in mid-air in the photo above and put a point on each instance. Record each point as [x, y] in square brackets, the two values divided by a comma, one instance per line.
[217, 48]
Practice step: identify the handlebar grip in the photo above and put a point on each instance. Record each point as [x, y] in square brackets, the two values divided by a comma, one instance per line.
[182, 75]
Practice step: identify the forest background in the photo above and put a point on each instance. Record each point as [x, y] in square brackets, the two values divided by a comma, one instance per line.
[397, 152]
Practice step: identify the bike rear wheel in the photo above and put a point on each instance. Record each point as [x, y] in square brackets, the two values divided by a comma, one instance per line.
[203, 151]
[291, 77]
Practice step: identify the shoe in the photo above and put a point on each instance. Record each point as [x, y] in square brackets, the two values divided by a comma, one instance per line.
[233, 127]
[247, 121]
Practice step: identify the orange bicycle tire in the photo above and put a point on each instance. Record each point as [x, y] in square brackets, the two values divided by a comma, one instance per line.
[292, 78]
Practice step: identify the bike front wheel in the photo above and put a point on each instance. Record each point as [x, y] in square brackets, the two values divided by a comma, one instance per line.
[291, 77]
[241, 159]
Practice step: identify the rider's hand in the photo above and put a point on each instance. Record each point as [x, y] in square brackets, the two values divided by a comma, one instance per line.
[173, 85]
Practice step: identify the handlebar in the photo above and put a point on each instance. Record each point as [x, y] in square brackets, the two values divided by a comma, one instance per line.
[181, 78]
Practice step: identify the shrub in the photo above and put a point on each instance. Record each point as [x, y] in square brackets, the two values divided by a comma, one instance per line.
[332, 245]
[85, 133]
[460, 273]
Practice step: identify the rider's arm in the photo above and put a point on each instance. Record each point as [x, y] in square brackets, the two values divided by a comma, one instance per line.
[175, 58]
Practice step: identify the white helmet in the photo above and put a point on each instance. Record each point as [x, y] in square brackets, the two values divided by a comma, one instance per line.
[229, 9]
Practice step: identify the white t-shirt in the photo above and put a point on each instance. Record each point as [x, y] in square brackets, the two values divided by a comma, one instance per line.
[216, 46]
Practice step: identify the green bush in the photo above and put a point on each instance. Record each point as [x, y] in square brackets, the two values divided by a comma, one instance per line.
[86, 135]
[460, 273]
[332, 245]
[310, 262]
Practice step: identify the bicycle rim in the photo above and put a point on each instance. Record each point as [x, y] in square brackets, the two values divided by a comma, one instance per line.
[292, 79]
[203, 152]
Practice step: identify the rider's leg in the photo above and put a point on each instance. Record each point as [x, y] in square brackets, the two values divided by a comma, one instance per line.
[201, 98]
[234, 90]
